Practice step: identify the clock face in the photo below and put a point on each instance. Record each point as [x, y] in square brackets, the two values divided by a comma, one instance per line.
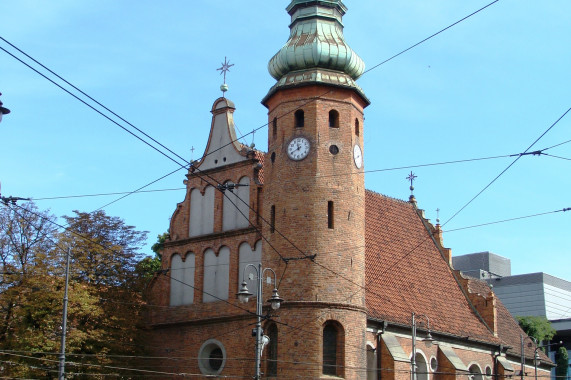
[298, 148]
[358, 156]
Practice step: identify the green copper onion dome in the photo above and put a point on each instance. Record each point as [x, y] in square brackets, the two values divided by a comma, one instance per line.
[316, 50]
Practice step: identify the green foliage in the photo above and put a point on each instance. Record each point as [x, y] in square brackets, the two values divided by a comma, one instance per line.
[537, 327]
[158, 246]
[147, 267]
[562, 361]
[104, 291]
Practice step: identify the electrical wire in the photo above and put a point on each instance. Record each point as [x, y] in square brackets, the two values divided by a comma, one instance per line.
[507, 168]
[431, 36]
[416, 45]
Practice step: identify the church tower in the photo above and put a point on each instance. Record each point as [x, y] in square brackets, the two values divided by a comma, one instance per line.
[314, 195]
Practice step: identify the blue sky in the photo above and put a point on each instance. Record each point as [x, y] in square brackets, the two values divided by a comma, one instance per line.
[489, 86]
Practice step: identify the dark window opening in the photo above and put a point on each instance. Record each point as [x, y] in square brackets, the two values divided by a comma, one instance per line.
[329, 350]
[330, 214]
[299, 119]
[333, 119]
[215, 359]
[357, 131]
[333, 149]
[273, 219]
[275, 127]
[273, 157]
[272, 368]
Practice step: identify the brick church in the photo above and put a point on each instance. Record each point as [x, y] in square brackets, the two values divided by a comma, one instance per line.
[357, 271]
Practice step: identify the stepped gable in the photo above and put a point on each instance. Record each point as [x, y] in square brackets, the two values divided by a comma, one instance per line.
[406, 272]
[508, 328]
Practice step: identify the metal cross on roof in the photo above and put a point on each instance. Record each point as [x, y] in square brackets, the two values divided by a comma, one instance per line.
[411, 177]
[437, 216]
[225, 68]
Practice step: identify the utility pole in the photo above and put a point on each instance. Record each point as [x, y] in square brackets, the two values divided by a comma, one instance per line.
[61, 375]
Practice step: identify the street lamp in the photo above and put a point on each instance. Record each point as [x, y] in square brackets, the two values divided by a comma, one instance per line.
[536, 355]
[3, 110]
[429, 340]
[275, 302]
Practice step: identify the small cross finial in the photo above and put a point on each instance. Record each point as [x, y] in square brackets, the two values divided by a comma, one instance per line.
[411, 177]
[437, 216]
[223, 70]
[253, 144]
[191, 153]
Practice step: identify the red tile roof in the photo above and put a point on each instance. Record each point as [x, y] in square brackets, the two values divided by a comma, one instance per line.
[405, 273]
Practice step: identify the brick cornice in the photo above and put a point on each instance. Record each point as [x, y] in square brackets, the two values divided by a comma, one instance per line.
[214, 236]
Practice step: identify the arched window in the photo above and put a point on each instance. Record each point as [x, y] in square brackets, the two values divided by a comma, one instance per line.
[247, 255]
[182, 280]
[299, 119]
[333, 354]
[216, 275]
[201, 212]
[236, 206]
[357, 129]
[421, 367]
[272, 355]
[333, 119]
[475, 372]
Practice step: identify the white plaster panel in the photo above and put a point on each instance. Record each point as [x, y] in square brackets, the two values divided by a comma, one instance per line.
[201, 212]
[249, 256]
[216, 275]
[222, 148]
[236, 208]
[182, 280]
[371, 362]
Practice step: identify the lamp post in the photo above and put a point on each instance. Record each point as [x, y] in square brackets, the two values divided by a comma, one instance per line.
[536, 355]
[275, 303]
[429, 340]
[522, 372]
[3, 110]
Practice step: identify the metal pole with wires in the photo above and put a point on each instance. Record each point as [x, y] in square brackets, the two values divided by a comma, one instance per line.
[61, 375]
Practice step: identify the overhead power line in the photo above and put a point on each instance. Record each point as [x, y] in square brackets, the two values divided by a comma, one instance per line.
[429, 37]
[509, 166]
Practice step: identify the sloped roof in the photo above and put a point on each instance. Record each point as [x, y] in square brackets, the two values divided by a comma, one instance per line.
[405, 273]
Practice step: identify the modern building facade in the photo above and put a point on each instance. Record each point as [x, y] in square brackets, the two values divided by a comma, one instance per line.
[530, 294]
[354, 268]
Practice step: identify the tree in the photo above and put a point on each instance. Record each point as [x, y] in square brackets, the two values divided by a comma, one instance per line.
[159, 245]
[562, 360]
[147, 267]
[537, 327]
[104, 294]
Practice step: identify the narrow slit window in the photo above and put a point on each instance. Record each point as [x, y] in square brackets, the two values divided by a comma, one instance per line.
[275, 127]
[330, 214]
[273, 219]
[333, 119]
[299, 119]
[357, 131]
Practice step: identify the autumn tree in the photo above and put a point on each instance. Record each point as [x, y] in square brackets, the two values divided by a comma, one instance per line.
[104, 295]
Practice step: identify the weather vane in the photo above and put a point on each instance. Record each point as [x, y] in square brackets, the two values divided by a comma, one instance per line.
[223, 70]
